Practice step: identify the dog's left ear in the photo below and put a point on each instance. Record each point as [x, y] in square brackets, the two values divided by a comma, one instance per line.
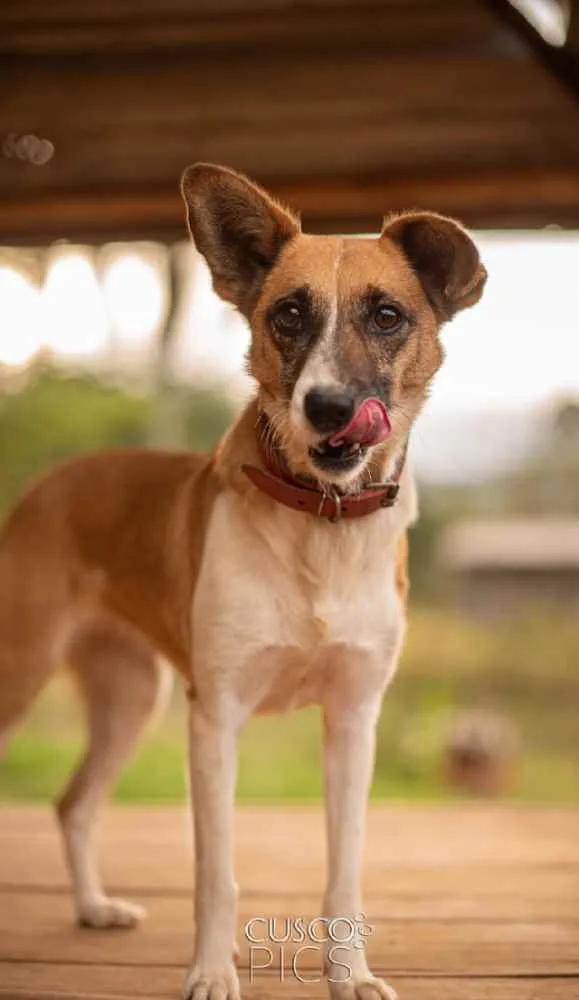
[237, 227]
[444, 258]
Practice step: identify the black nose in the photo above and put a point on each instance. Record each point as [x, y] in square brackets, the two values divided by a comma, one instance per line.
[329, 409]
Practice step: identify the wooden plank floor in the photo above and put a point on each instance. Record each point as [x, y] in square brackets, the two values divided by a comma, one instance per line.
[467, 902]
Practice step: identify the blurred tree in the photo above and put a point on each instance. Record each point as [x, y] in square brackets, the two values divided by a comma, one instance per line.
[207, 415]
[426, 580]
[548, 483]
[545, 483]
[51, 416]
[182, 416]
[47, 416]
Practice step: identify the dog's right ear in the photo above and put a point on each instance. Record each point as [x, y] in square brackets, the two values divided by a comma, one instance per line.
[237, 227]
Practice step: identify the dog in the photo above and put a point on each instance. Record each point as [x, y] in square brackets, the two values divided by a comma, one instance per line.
[272, 573]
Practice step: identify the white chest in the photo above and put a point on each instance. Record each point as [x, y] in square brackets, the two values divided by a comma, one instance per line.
[283, 601]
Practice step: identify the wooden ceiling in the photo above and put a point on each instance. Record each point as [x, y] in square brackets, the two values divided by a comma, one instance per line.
[346, 108]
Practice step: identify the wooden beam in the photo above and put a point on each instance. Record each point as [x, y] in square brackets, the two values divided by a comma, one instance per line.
[87, 28]
[562, 63]
[139, 118]
[507, 199]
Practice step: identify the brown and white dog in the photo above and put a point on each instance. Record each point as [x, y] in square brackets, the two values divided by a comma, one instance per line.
[272, 573]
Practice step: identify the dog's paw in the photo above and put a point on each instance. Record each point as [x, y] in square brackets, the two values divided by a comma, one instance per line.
[105, 912]
[367, 988]
[222, 985]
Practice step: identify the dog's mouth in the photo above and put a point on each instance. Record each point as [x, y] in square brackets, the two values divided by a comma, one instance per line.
[337, 457]
[345, 449]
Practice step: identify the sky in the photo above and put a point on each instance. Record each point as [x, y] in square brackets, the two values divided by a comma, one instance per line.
[518, 348]
[520, 345]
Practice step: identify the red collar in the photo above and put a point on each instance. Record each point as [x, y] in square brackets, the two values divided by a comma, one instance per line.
[305, 496]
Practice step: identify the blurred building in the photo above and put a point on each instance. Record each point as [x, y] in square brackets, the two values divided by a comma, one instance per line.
[501, 567]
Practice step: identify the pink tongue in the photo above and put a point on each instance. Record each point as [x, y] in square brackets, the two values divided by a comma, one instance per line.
[369, 425]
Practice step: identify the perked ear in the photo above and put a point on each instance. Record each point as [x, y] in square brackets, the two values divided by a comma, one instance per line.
[444, 258]
[237, 227]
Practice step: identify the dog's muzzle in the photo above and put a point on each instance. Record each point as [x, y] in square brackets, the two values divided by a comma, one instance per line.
[350, 429]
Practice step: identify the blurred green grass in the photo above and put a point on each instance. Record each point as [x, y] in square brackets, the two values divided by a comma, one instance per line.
[526, 670]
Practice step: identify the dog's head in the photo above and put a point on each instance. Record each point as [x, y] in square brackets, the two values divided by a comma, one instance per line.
[344, 331]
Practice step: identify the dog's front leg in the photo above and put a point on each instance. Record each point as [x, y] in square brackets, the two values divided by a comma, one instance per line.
[213, 766]
[349, 733]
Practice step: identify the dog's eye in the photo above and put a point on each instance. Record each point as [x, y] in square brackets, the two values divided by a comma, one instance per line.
[287, 318]
[387, 319]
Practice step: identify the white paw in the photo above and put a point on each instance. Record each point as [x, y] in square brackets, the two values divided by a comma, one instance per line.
[107, 912]
[365, 988]
[221, 985]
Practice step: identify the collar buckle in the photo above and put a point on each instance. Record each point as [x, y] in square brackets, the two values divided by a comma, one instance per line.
[336, 499]
[392, 490]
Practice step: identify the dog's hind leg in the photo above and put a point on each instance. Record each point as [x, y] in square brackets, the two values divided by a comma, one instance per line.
[28, 657]
[121, 681]
[36, 608]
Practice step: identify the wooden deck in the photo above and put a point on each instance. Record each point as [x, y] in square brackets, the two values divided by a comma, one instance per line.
[467, 902]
